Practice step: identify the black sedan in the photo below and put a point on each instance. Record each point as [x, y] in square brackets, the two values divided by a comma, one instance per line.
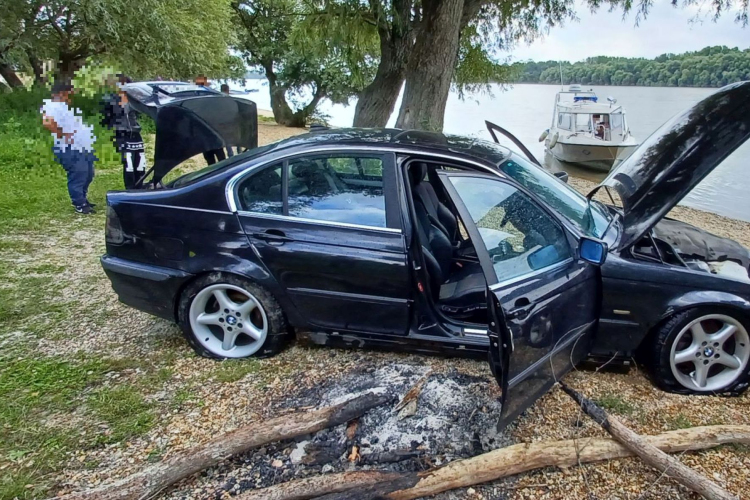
[443, 244]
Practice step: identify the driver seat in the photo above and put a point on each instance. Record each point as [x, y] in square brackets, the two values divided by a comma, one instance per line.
[457, 291]
[439, 214]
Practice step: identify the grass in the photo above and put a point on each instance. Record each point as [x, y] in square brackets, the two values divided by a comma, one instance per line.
[56, 408]
[34, 190]
[679, 421]
[615, 404]
[124, 411]
[50, 406]
[34, 390]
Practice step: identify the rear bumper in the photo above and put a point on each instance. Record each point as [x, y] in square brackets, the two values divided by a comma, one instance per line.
[151, 289]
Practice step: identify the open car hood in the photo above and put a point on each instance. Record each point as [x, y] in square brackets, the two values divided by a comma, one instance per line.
[190, 120]
[675, 158]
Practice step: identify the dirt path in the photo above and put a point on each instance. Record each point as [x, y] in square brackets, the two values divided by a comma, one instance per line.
[190, 399]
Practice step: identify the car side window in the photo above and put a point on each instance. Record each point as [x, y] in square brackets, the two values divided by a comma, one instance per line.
[261, 191]
[520, 237]
[347, 189]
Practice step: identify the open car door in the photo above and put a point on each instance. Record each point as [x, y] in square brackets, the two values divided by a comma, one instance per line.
[543, 299]
[493, 129]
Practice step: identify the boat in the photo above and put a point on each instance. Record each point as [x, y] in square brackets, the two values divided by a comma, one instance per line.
[587, 132]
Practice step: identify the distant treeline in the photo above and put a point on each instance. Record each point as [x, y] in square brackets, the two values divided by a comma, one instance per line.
[710, 67]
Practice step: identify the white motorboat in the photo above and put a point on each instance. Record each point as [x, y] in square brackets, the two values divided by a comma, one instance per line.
[587, 132]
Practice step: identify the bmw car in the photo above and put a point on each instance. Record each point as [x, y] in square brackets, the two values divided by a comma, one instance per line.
[420, 241]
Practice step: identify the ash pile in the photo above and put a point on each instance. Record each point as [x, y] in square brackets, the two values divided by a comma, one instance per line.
[434, 418]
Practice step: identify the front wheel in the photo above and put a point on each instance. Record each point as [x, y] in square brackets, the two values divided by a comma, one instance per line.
[702, 351]
[226, 316]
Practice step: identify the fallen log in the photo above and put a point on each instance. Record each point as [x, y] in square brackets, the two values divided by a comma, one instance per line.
[315, 486]
[649, 453]
[494, 465]
[147, 483]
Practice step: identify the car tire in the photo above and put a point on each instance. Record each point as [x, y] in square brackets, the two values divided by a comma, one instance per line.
[690, 342]
[221, 307]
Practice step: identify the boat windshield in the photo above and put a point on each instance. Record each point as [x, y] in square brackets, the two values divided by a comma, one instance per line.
[591, 218]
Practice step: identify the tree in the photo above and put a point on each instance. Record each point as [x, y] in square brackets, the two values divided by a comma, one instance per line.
[434, 57]
[169, 38]
[711, 66]
[306, 54]
[394, 23]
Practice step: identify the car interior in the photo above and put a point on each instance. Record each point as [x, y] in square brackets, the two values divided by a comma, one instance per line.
[455, 280]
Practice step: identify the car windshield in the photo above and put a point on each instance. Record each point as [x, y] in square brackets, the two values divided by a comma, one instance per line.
[592, 219]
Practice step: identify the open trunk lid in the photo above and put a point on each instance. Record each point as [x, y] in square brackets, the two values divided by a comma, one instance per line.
[192, 120]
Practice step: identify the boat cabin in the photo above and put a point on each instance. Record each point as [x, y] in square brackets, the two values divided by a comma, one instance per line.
[580, 112]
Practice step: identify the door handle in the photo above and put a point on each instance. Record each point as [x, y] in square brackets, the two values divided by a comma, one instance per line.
[522, 309]
[273, 236]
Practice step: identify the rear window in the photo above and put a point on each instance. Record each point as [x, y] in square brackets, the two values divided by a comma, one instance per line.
[207, 171]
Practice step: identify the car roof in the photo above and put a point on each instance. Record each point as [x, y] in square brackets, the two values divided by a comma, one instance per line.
[397, 139]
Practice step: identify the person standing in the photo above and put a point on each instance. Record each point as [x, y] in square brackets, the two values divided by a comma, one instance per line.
[74, 144]
[120, 116]
[230, 149]
[213, 155]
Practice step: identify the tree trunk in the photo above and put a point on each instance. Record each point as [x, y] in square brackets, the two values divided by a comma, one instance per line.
[10, 76]
[376, 102]
[491, 466]
[147, 483]
[282, 112]
[431, 66]
[67, 65]
[37, 66]
[649, 453]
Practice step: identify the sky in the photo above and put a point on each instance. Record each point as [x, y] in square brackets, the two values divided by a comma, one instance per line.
[666, 29]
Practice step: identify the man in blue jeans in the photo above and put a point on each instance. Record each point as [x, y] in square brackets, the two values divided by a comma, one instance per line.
[74, 144]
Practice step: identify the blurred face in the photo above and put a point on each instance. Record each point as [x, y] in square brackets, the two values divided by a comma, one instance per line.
[63, 96]
[202, 81]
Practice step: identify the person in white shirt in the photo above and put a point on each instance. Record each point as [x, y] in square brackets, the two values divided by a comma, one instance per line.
[74, 144]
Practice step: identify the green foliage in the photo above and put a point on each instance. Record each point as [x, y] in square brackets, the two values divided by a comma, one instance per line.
[709, 67]
[168, 38]
[34, 187]
[307, 50]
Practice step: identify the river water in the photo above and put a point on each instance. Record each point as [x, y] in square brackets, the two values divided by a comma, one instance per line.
[526, 110]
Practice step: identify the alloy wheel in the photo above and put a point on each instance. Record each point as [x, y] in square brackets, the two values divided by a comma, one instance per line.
[228, 321]
[710, 353]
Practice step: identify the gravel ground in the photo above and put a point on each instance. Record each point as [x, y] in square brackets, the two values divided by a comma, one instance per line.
[454, 417]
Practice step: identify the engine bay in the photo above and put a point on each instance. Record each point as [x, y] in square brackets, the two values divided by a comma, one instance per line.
[680, 244]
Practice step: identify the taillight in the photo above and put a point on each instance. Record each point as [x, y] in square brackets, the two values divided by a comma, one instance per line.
[113, 231]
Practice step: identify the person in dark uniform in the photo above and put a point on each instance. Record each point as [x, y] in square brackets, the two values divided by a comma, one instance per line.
[120, 116]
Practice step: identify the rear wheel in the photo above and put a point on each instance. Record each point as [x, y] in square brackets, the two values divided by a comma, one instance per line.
[225, 316]
[701, 351]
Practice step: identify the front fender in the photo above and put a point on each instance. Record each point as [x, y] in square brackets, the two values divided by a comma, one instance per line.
[706, 298]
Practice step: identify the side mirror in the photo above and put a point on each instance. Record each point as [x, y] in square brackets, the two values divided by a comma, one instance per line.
[593, 251]
[563, 176]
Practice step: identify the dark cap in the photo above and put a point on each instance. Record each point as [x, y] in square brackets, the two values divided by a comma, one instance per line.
[62, 87]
